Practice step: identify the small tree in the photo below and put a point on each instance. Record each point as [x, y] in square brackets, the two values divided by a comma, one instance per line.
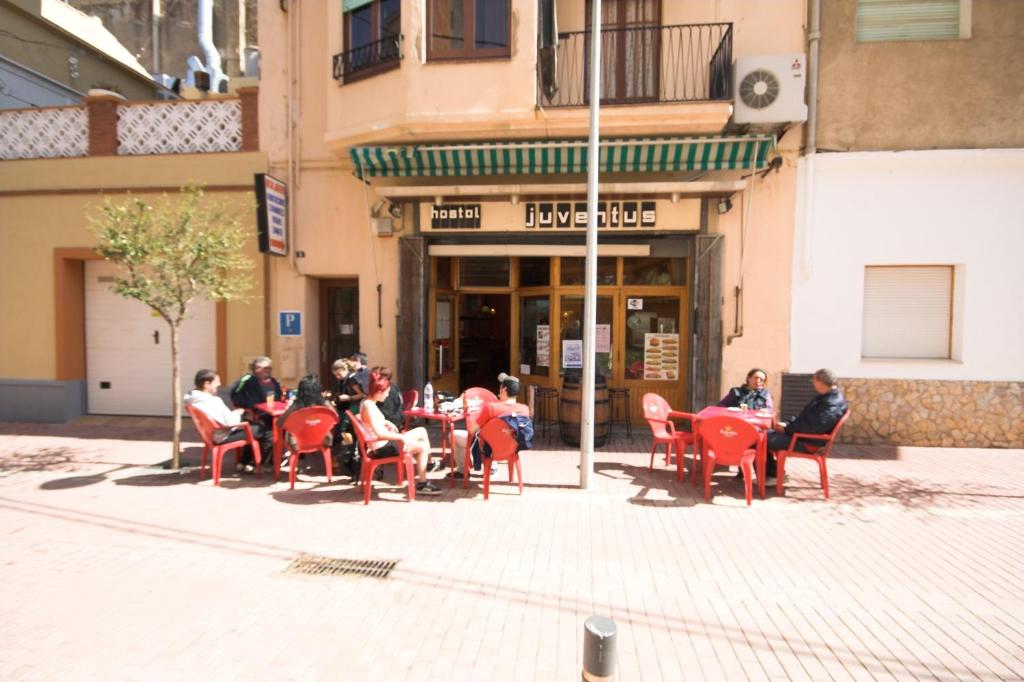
[171, 252]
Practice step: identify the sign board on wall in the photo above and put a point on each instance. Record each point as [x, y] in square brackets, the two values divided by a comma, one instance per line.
[289, 323]
[272, 214]
[534, 217]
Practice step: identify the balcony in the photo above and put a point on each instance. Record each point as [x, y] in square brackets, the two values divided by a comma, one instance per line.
[368, 60]
[640, 65]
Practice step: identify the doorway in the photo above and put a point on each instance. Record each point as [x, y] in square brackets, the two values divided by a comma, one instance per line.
[485, 328]
[339, 322]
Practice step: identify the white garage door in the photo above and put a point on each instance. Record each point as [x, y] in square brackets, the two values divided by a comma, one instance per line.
[128, 350]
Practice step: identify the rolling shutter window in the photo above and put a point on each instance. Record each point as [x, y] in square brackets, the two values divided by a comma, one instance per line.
[907, 311]
[882, 20]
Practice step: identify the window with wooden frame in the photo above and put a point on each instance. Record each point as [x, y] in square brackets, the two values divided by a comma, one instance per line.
[908, 311]
[469, 29]
[372, 30]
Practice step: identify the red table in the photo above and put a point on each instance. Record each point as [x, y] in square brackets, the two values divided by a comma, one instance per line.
[275, 410]
[763, 420]
[447, 422]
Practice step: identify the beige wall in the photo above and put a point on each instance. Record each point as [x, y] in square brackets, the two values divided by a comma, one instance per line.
[95, 71]
[946, 94]
[43, 206]
[766, 273]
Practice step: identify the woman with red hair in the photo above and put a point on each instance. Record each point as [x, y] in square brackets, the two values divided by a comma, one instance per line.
[415, 441]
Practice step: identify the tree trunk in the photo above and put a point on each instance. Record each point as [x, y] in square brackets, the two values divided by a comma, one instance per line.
[176, 397]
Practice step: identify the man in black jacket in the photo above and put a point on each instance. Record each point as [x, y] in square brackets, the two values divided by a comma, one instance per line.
[819, 416]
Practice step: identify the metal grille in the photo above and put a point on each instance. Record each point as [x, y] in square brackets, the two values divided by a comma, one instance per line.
[797, 391]
[310, 564]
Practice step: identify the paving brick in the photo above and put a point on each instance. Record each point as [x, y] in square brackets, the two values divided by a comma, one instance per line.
[115, 568]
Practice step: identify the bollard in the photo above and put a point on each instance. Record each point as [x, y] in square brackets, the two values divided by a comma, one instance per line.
[599, 649]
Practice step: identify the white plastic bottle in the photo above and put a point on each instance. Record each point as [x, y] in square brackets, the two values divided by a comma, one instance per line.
[428, 397]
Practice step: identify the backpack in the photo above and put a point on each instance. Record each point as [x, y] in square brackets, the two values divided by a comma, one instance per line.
[236, 390]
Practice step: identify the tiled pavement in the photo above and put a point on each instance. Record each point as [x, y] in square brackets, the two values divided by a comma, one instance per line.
[113, 568]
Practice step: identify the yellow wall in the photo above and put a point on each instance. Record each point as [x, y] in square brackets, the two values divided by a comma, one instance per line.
[43, 206]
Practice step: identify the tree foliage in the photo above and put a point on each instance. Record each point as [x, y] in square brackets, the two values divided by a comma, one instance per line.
[174, 250]
[171, 252]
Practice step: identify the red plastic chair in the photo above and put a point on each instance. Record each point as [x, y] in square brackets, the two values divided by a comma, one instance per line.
[729, 441]
[206, 427]
[410, 399]
[818, 452]
[498, 435]
[658, 415]
[364, 437]
[308, 428]
[473, 402]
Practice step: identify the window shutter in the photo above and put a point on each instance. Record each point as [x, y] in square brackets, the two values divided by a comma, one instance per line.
[907, 312]
[349, 5]
[881, 20]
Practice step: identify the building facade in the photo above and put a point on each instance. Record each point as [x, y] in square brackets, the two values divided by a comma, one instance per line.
[434, 154]
[905, 278]
[68, 345]
[51, 54]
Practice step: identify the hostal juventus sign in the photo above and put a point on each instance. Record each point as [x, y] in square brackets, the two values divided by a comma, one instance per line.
[625, 214]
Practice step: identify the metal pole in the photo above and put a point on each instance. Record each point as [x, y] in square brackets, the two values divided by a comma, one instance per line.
[590, 278]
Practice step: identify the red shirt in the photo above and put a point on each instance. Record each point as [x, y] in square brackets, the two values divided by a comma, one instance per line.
[498, 409]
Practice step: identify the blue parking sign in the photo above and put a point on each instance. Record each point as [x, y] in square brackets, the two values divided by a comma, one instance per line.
[289, 323]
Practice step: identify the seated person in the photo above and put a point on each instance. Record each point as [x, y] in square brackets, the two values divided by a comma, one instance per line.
[819, 416]
[308, 394]
[252, 389]
[508, 391]
[391, 408]
[204, 398]
[415, 441]
[753, 394]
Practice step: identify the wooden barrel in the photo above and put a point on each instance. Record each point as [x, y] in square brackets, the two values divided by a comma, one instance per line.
[569, 410]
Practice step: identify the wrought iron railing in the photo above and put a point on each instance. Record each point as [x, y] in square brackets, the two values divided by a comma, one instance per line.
[368, 59]
[641, 64]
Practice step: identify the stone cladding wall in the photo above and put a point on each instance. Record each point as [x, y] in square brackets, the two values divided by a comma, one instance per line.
[970, 414]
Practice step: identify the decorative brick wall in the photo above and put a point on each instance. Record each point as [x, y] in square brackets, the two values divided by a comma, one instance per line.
[977, 414]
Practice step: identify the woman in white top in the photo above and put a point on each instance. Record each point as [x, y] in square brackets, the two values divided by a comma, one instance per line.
[415, 441]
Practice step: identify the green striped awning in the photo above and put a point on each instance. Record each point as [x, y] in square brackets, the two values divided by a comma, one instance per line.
[652, 155]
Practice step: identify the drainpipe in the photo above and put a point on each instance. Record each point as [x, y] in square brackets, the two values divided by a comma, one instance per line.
[210, 53]
[813, 38]
[154, 26]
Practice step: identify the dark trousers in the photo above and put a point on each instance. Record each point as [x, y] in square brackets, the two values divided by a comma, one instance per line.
[777, 440]
[264, 435]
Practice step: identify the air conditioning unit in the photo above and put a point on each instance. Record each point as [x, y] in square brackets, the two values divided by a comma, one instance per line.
[770, 89]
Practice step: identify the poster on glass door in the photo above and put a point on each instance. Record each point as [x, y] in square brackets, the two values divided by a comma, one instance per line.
[661, 357]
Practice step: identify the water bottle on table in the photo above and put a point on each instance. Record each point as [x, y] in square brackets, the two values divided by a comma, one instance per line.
[428, 398]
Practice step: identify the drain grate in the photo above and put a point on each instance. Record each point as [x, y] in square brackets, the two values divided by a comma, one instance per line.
[310, 564]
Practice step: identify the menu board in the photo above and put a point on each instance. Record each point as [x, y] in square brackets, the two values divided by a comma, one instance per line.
[661, 356]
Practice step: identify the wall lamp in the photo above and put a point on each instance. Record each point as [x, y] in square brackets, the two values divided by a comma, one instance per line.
[724, 205]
